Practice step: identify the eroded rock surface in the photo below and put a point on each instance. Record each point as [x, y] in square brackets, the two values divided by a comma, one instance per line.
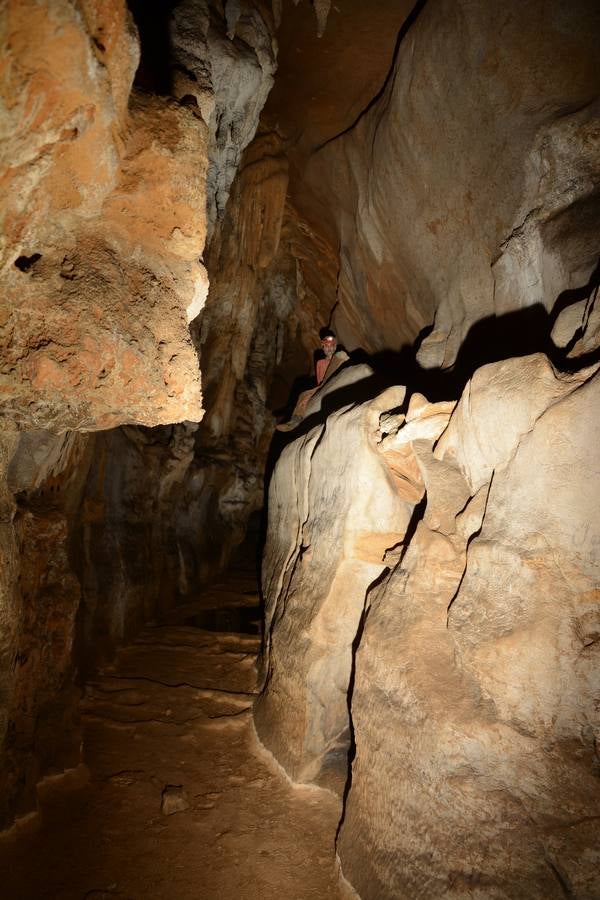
[340, 505]
[469, 189]
[39, 601]
[103, 227]
[472, 677]
[227, 67]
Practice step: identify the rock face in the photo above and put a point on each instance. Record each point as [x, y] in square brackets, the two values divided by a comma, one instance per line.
[39, 602]
[103, 224]
[468, 190]
[108, 192]
[133, 502]
[431, 571]
[484, 643]
[228, 68]
[103, 227]
[255, 338]
[472, 692]
[340, 504]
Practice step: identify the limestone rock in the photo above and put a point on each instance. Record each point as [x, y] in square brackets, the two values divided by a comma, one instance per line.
[462, 209]
[470, 666]
[229, 71]
[473, 707]
[39, 599]
[335, 507]
[497, 408]
[577, 327]
[252, 335]
[103, 226]
[568, 323]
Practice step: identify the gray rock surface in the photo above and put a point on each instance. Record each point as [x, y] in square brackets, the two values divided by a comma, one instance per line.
[228, 67]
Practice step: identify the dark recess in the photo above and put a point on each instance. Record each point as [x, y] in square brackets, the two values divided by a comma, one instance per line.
[25, 263]
[152, 20]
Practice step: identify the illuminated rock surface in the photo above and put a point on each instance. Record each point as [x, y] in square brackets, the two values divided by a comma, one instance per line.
[424, 179]
[463, 682]
[103, 222]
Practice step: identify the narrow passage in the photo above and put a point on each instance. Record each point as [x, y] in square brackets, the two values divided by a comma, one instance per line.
[182, 801]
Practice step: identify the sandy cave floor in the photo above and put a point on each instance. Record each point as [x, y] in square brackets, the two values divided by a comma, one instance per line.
[175, 709]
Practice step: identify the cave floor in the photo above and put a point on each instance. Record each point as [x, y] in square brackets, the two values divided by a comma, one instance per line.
[169, 724]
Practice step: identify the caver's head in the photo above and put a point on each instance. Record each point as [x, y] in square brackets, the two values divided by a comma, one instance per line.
[328, 342]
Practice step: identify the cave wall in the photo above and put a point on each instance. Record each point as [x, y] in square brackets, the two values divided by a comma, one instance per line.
[468, 190]
[110, 184]
[256, 336]
[432, 610]
[460, 681]
[255, 333]
[43, 483]
[474, 695]
[404, 594]
[103, 227]
[104, 223]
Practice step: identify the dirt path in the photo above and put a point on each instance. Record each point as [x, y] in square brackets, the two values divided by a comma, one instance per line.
[175, 710]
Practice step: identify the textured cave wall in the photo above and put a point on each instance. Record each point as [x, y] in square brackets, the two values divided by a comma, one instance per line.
[226, 62]
[469, 188]
[108, 192]
[256, 334]
[432, 619]
[103, 227]
[273, 272]
[104, 220]
[39, 730]
[474, 711]
[267, 265]
[130, 535]
[189, 491]
[462, 679]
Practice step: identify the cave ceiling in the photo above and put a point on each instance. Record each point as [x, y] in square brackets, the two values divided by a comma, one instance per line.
[323, 84]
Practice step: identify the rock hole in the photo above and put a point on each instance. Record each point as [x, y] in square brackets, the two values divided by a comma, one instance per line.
[25, 263]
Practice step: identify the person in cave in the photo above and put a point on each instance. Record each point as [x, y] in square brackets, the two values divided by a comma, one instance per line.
[327, 362]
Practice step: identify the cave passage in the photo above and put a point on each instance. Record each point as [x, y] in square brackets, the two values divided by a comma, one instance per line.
[273, 627]
[175, 796]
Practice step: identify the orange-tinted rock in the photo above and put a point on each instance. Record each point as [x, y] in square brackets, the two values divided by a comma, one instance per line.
[39, 601]
[104, 224]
